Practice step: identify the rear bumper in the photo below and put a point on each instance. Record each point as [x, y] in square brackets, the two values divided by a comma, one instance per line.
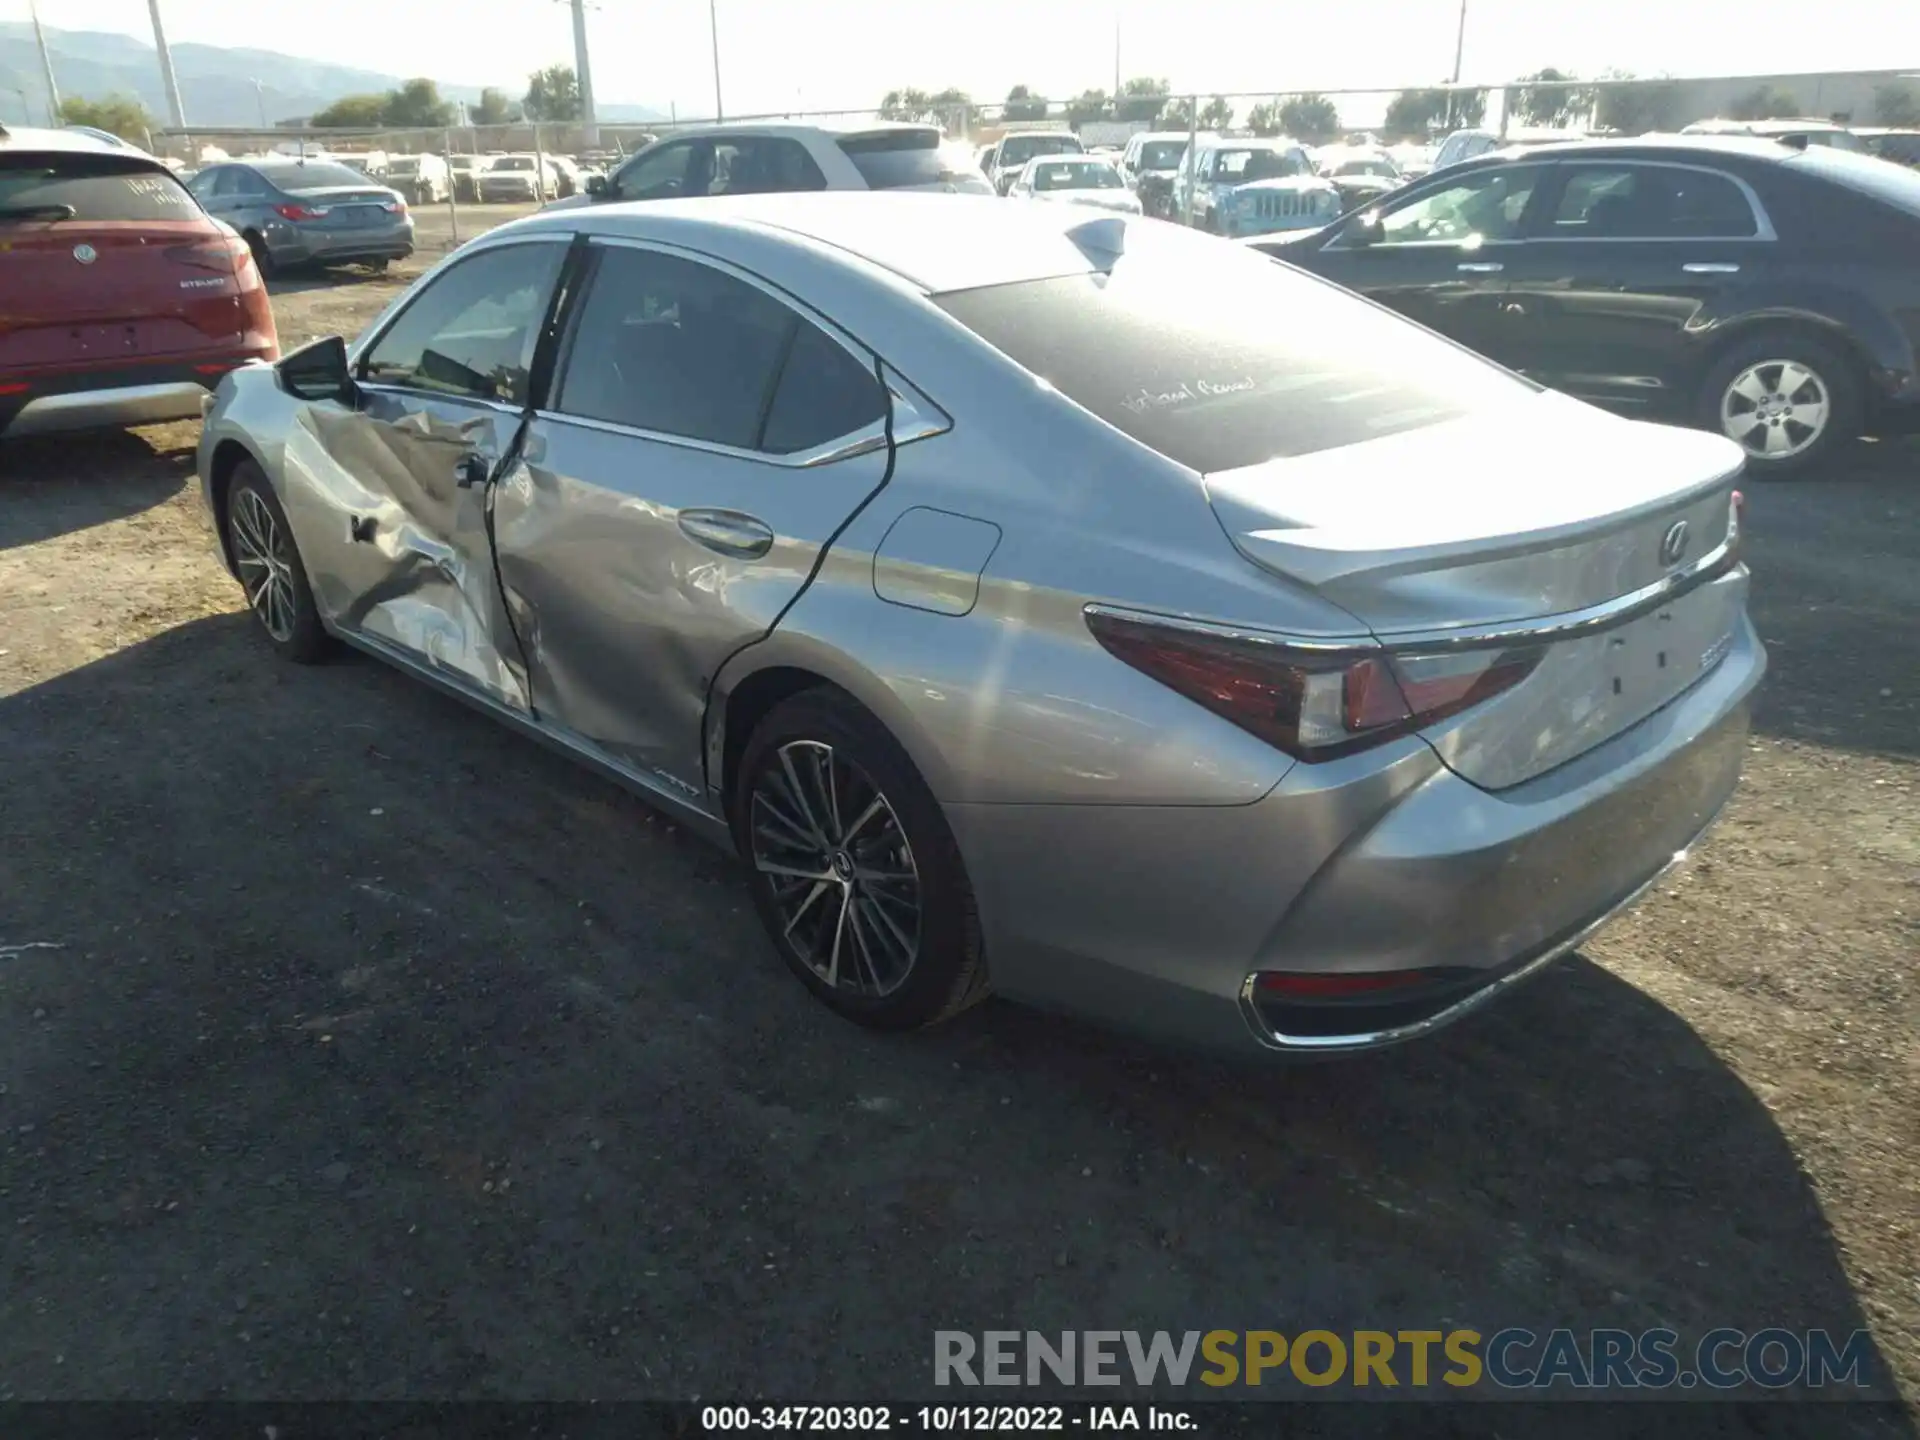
[1156, 919]
[309, 246]
[148, 394]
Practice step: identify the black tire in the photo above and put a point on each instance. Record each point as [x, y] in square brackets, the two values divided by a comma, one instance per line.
[294, 629]
[945, 970]
[378, 267]
[1833, 376]
[262, 257]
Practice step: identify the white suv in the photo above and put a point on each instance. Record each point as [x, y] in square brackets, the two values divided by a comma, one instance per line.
[756, 159]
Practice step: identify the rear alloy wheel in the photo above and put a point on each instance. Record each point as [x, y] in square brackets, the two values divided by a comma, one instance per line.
[854, 870]
[1789, 402]
[269, 568]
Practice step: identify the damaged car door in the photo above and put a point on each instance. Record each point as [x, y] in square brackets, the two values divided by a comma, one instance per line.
[389, 493]
[704, 441]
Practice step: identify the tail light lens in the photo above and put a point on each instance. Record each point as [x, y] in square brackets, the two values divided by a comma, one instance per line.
[301, 212]
[395, 206]
[1313, 704]
[217, 254]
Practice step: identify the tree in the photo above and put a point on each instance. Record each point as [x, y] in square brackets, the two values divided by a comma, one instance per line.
[1217, 115]
[118, 114]
[1415, 114]
[363, 112]
[552, 94]
[1089, 105]
[1311, 118]
[417, 104]
[493, 108]
[951, 108]
[1175, 114]
[1141, 99]
[1763, 102]
[1897, 106]
[1550, 99]
[1023, 104]
[1635, 109]
[904, 105]
[1264, 118]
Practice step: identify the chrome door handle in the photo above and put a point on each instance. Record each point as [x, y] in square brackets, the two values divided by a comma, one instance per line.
[1711, 267]
[1481, 267]
[728, 532]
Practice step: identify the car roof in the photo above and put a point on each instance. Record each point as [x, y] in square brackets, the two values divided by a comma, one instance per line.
[830, 129]
[1643, 147]
[1786, 125]
[938, 243]
[18, 140]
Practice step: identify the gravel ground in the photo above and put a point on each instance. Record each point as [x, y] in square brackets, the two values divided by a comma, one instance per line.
[359, 1048]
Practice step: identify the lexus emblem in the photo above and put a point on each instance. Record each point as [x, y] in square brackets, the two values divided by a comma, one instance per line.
[1673, 544]
[85, 254]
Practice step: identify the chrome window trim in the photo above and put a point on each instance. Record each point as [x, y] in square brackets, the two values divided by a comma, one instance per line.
[1547, 629]
[915, 417]
[1764, 222]
[409, 392]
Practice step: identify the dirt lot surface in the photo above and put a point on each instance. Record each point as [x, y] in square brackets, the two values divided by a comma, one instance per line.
[351, 1046]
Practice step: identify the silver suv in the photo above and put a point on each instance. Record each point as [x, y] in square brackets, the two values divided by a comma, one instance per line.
[757, 159]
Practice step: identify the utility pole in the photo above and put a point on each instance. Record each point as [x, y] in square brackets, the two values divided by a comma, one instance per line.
[1116, 64]
[713, 24]
[260, 100]
[167, 80]
[583, 74]
[1459, 52]
[46, 65]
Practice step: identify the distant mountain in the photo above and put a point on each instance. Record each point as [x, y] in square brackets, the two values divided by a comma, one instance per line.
[217, 85]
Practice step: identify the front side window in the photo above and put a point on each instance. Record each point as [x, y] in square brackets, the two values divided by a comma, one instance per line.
[1651, 202]
[680, 348]
[1486, 205]
[657, 174]
[471, 333]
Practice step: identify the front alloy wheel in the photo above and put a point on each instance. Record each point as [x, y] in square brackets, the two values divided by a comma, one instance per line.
[841, 869]
[268, 564]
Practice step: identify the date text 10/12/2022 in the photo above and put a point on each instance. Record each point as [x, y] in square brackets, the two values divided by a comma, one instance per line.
[947, 1419]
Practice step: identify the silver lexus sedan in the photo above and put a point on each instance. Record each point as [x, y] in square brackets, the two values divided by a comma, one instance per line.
[1069, 606]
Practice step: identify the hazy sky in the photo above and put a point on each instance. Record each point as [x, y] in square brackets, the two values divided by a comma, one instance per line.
[818, 54]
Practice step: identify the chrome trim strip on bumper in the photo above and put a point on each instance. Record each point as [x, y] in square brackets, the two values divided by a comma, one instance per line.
[1466, 1004]
[127, 405]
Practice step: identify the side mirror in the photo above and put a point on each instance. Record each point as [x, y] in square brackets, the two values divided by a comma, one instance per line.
[597, 187]
[318, 371]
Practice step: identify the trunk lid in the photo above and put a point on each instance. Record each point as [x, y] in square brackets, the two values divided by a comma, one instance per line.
[109, 261]
[1503, 519]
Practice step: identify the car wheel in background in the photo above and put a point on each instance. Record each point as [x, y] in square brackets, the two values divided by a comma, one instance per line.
[379, 266]
[264, 557]
[1790, 401]
[262, 256]
[853, 868]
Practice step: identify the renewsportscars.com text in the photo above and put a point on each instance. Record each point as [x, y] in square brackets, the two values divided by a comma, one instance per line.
[1512, 1359]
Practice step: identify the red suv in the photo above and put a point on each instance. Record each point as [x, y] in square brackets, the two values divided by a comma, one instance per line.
[121, 302]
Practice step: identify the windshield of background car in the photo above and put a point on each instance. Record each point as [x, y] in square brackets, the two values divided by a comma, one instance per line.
[1071, 175]
[1366, 167]
[1162, 154]
[1892, 184]
[1239, 166]
[1238, 362]
[894, 159]
[1022, 148]
[402, 167]
[295, 175]
[44, 187]
[513, 162]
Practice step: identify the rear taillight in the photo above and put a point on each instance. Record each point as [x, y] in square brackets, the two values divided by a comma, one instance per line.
[395, 206]
[301, 212]
[217, 254]
[1313, 703]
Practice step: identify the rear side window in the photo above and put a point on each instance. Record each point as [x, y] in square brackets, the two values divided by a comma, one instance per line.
[824, 394]
[1651, 202]
[894, 159]
[1865, 174]
[1238, 362]
[87, 187]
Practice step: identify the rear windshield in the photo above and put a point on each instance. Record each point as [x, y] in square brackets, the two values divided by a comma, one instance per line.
[893, 159]
[311, 175]
[1018, 149]
[1232, 364]
[1162, 154]
[87, 187]
[1076, 175]
[1892, 184]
